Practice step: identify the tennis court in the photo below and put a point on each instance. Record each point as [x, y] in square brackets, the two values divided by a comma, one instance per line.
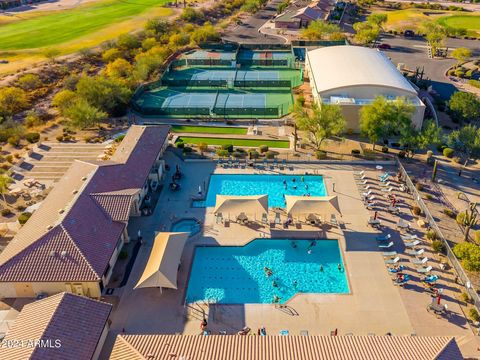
[209, 58]
[265, 58]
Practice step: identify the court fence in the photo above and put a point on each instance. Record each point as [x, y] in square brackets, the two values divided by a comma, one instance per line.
[462, 276]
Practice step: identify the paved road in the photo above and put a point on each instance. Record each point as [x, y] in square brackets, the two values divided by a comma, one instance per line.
[248, 31]
[413, 53]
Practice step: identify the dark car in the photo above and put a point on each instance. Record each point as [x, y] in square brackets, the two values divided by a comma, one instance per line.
[384, 46]
[409, 33]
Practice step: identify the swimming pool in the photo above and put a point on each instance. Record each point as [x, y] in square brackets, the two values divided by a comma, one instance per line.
[236, 275]
[191, 226]
[275, 186]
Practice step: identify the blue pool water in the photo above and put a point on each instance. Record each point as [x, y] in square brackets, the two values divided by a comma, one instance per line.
[272, 185]
[186, 225]
[235, 274]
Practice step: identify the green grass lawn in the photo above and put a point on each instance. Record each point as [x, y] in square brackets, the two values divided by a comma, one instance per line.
[208, 129]
[59, 27]
[284, 144]
[469, 22]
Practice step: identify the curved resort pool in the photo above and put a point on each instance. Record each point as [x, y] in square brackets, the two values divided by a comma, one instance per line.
[275, 186]
[236, 275]
[191, 226]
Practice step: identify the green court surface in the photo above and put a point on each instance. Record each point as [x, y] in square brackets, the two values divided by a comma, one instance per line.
[281, 144]
[208, 129]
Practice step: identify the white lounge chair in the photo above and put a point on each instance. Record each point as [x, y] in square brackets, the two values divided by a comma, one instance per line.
[387, 184]
[393, 209]
[367, 194]
[419, 261]
[362, 182]
[387, 189]
[392, 261]
[367, 188]
[389, 253]
[374, 222]
[383, 237]
[403, 224]
[359, 173]
[370, 205]
[424, 270]
[370, 198]
[409, 237]
[414, 252]
[413, 243]
[361, 177]
[388, 246]
[333, 220]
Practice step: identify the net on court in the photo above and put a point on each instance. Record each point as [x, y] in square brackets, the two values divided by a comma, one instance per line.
[209, 58]
[229, 100]
[265, 58]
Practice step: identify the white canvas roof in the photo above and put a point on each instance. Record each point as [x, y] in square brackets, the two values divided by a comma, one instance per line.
[235, 205]
[321, 205]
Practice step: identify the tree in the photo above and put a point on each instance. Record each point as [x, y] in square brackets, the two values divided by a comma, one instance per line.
[119, 68]
[158, 26]
[465, 106]
[64, 99]
[148, 43]
[377, 19]
[412, 140]
[12, 101]
[192, 16]
[282, 6]
[83, 115]
[468, 219]
[435, 34]
[5, 181]
[365, 32]
[206, 33]
[461, 55]
[51, 54]
[320, 30]
[111, 54]
[467, 141]
[128, 42]
[322, 122]
[469, 255]
[29, 82]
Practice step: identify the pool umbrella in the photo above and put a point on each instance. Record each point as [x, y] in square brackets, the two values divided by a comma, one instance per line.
[235, 205]
[162, 266]
[302, 205]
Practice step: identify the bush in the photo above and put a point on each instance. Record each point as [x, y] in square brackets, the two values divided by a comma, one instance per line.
[450, 213]
[119, 138]
[355, 152]
[270, 155]
[464, 297]
[20, 207]
[419, 186]
[222, 153]
[32, 137]
[320, 154]
[476, 236]
[253, 154]
[123, 255]
[441, 147]
[473, 314]
[438, 246]
[237, 154]
[187, 150]
[416, 210]
[431, 235]
[59, 138]
[23, 218]
[402, 154]
[429, 154]
[469, 73]
[469, 255]
[385, 149]
[9, 158]
[461, 218]
[203, 147]
[448, 152]
[263, 149]
[6, 212]
[14, 140]
[180, 145]
[228, 147]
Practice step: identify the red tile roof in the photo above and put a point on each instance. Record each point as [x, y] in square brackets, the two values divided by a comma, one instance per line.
[237, 347]
[84, 215]
[76, 321]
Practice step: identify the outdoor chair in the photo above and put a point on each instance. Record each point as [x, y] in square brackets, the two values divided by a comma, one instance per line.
[424, 270]
[333, 220]
[389, 254]
[264, 218]
[393, 261]
[419, 261]
[387, 246]
[414, 252]
[383, 237]
[413, 243]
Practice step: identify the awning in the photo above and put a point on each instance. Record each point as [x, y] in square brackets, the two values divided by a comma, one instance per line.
[235, 205]
[162, 266]
[321, 205]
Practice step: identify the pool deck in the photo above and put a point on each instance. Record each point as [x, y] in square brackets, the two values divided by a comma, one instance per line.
[375, 305]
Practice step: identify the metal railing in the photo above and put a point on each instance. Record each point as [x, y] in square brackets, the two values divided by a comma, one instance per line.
[449, 252]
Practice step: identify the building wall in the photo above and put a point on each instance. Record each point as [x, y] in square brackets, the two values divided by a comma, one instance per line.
[113, 260]
[287, 24]
[101, 341]
[9, 290]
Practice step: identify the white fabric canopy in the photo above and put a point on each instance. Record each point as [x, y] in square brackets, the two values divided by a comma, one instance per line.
[321, 205]
[162, 266]
[235, 205]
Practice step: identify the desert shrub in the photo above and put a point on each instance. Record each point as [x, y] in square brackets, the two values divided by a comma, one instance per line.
[469, 255]
[448, 152]
[402, 154]
[320, 154]
[438, 246]
[203, 147]
[476, 236]
[14, 140]
[450, 213]
[270, 155]
[461, 218]
[253, 154]
[263, 149]
[473, 314]
[465, 297]
[180, 145]
[469, 73]
[419, 186]
[187, 150]
[237, 154]
[416, 210]
[20, 207]
[385, 149]
[228, 147]
[32, 137]
[431, 235]
[119, 138]
[9, 158]
[6, 212]
[222, 153]
[23, 218]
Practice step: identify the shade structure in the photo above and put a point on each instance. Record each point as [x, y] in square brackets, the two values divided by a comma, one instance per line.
[320, 205]
[162, 266]
[235, 205]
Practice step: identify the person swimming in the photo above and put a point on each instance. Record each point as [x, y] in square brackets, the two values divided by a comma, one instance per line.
[268, 271]
[309, 251]
[306, 186]
[294, 244]
[321, 268]
[274, 283]
[295, 284]
[276, 299]
[339, 267]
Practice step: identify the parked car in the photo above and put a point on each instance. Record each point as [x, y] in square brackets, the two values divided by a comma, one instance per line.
[3, 61]
[384, 46]
[409, 33]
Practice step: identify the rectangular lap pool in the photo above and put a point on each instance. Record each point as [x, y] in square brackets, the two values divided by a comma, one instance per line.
[275, 186]
[266, 270]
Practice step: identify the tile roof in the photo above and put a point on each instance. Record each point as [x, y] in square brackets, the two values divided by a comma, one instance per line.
[233, 347]
[76, 321]
[84, 215]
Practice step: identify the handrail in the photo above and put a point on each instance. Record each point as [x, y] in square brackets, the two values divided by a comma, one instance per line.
[450, 255]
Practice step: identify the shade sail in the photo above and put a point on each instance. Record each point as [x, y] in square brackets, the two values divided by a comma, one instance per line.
[322, 205]
[250, 205]
[162, 266]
